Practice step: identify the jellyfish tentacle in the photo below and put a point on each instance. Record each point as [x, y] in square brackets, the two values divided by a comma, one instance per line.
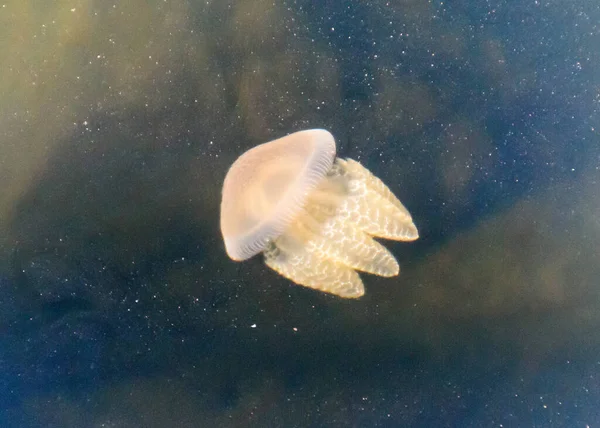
[307, 269]
[372, 206]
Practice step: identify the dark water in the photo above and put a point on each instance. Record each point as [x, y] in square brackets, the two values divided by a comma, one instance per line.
[118, 304]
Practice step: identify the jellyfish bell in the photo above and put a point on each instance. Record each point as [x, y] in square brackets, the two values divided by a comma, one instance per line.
[312, 215]
[266, 187]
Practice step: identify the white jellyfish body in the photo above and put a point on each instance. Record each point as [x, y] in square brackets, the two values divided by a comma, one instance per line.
[312, 216]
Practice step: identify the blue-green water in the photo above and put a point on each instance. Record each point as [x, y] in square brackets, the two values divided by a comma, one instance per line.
[118, 304]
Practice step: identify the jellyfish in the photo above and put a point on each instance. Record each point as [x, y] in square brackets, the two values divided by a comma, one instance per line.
[313, 216]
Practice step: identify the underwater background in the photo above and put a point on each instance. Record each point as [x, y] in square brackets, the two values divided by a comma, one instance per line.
[118, 304]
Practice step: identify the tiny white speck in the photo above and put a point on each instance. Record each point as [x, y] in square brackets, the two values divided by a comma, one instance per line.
[253, 326]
